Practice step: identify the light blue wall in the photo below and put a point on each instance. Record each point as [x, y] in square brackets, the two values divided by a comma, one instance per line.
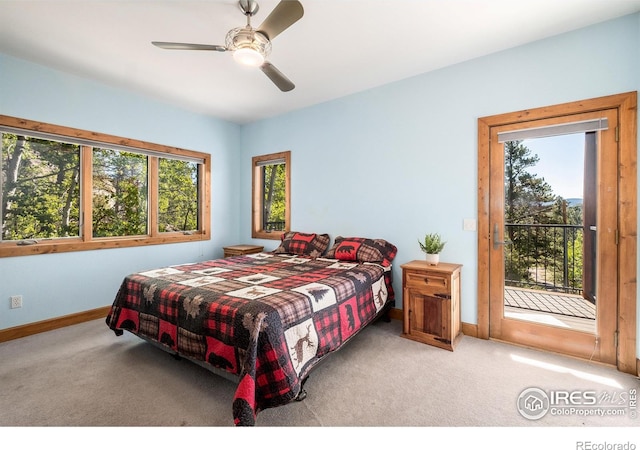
[67, 283]
[400, 160]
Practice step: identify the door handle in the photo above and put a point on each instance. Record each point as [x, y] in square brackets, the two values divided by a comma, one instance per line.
[496, 242]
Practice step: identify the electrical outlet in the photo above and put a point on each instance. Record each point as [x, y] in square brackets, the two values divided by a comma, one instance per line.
[16, 301]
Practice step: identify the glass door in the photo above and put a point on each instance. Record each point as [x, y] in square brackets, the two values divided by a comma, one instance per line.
[553, 252]
[550, 228]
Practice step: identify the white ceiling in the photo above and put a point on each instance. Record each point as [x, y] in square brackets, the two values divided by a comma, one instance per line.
[338, 47]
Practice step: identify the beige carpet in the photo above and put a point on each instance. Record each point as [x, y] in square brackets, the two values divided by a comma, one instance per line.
[85, 376]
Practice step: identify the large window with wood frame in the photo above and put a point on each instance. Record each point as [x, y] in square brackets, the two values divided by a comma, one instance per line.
[65, 189]
[271, 210]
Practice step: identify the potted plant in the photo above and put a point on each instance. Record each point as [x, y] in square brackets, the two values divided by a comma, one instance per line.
[432, 245]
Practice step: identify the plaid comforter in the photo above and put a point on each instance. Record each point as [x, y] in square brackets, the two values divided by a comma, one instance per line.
[267, 318]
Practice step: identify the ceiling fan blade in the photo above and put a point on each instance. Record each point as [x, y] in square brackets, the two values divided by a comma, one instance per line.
[285, 14]
[283, 83]
[183, 46]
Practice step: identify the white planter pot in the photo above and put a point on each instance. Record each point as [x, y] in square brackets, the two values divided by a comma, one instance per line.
[432, 259]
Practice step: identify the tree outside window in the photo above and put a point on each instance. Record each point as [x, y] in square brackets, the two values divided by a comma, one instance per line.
[40, 188]
[120, 192]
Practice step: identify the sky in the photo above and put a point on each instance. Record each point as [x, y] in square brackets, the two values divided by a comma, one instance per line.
[561, 162]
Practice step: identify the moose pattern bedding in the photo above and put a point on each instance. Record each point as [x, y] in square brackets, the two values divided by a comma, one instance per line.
[267, 318]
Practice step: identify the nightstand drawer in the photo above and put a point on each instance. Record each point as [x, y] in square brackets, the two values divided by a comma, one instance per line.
[422, 280]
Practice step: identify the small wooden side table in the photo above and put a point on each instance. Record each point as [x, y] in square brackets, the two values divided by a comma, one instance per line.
[431, 303]
[235, 250]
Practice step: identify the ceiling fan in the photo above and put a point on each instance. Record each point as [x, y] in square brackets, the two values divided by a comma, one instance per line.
[252, 46]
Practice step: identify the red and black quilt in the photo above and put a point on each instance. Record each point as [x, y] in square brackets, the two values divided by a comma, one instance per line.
[267, 318]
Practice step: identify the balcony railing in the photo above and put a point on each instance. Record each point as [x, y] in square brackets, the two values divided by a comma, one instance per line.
[547, 257]
[274, 225]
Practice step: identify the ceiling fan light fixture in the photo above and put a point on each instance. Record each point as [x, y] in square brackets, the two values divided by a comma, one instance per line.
[249, 46]
[248, 56]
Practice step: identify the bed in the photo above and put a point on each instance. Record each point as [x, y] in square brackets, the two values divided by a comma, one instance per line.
[265, 319]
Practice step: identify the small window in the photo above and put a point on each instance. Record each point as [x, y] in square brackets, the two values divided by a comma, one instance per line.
[271, 195]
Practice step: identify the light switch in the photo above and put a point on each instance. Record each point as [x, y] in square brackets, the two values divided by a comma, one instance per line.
[469, 225]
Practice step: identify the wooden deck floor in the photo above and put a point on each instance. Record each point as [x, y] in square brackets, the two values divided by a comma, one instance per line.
[556, 309]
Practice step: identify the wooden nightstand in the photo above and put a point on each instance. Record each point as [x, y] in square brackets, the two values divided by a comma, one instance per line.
[235, 250]
[431, 303]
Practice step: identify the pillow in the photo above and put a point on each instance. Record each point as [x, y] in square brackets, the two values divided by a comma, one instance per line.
[362, 250]
[304, 244]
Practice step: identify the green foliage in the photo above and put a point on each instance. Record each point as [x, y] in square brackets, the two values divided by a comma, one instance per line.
[528, 198]
[41, 191]
[178, 196]
[432, 243]
[274, 196]
[119, 193]
[575, 253]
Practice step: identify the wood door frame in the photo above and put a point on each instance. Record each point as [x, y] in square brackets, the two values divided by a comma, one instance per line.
[626, 104]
